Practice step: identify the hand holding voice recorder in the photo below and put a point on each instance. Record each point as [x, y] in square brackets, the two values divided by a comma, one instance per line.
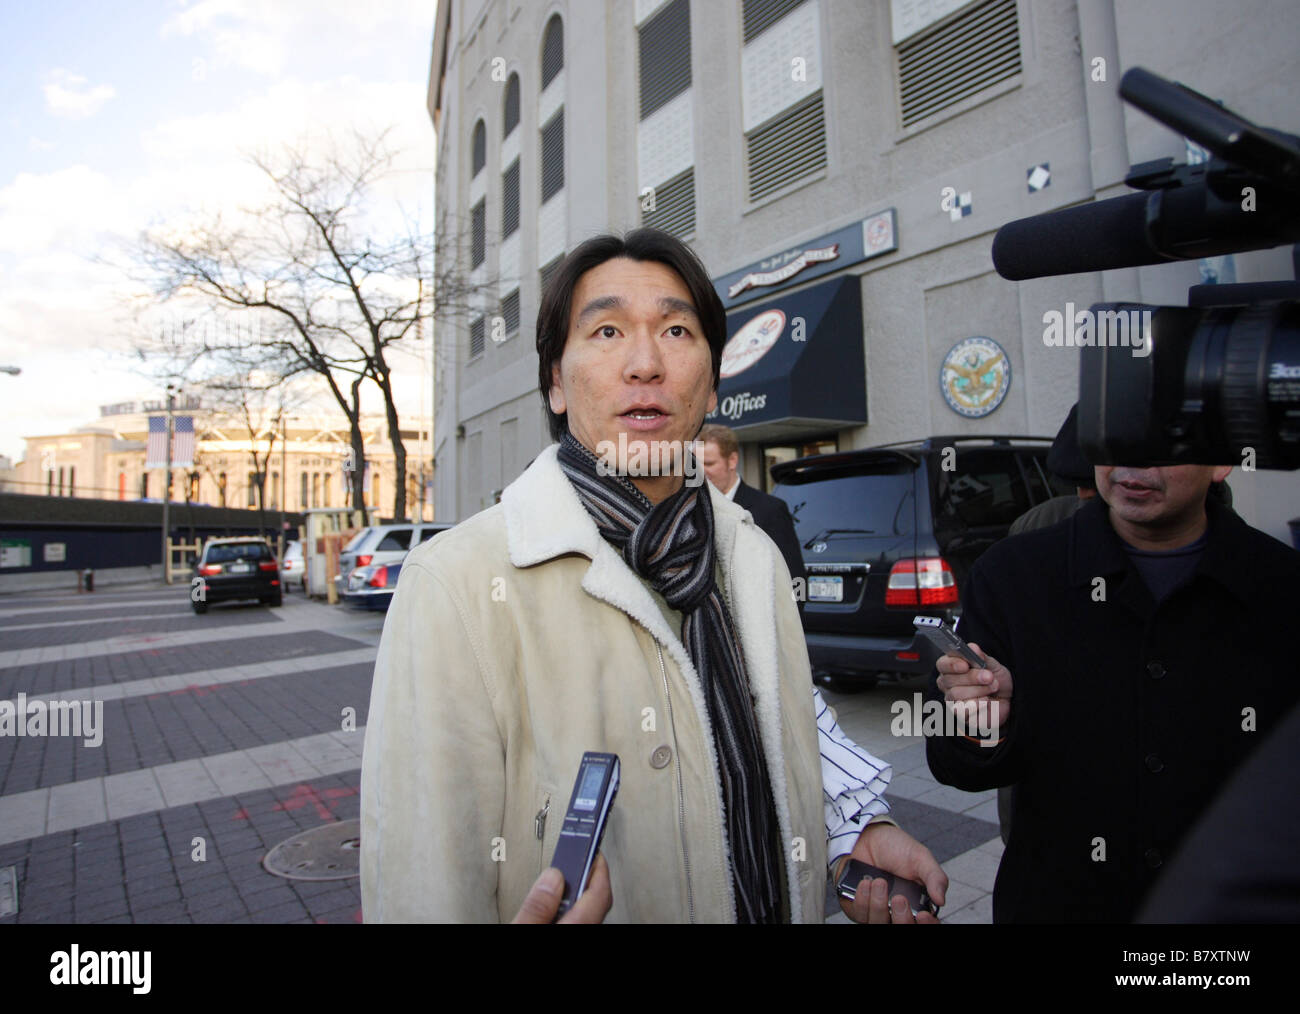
[918, 898]
[943, 637]
[584, 823]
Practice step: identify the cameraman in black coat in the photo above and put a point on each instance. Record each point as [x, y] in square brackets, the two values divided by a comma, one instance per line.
[1137, 653]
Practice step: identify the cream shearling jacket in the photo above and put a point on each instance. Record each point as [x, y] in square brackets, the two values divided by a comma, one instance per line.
[520, 639]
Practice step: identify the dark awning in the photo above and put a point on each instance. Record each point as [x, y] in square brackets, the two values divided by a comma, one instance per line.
[796, 364]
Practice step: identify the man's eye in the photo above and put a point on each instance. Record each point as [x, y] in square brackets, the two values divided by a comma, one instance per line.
[677, 331]
[608, 331]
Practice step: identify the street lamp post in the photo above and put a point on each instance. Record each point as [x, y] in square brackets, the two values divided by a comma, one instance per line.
[167, 491]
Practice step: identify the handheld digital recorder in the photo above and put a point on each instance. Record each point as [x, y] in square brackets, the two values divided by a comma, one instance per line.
[946, 639]
[584, 823]
[918, 898]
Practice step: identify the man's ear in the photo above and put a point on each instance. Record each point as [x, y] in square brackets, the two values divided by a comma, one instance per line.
[555, 396]
[713, 400]
[733, 460]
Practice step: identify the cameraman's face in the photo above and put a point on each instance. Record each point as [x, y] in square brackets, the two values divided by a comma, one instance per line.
[1157, 497]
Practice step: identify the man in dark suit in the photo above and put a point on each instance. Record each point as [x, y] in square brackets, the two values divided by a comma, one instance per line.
[719, 455]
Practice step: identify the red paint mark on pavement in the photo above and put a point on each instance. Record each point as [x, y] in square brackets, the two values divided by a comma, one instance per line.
[301, 796]
[198, 689]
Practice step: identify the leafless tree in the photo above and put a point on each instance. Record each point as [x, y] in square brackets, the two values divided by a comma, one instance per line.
[320, 292]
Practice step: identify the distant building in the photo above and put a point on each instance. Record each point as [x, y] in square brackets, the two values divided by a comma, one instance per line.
[107, 460]
[841, 167]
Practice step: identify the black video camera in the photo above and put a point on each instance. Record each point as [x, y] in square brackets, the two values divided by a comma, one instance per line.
[1215, 382]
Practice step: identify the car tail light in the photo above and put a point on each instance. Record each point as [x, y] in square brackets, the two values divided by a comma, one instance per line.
[908, 656]
[208, 569]
[379, 579]
[925, 581]
[364, 561]
[264, 565]
[288, 565]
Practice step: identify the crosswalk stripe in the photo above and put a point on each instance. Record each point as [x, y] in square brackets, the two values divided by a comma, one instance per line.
[108, 798]
[207, 677]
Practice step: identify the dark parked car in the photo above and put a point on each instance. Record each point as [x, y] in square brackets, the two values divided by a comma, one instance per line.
[890, 532]
[237, 568]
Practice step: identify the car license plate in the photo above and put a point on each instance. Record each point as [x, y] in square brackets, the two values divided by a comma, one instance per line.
[826, 589]
[241, 568]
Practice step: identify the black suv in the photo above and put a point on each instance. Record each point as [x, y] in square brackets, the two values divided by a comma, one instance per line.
[890, 532]
[236, 569]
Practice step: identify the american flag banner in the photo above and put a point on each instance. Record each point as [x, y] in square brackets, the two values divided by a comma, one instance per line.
[183, 441]
[155, 455]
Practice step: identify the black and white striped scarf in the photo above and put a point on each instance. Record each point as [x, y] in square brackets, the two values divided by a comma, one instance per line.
[670, 546]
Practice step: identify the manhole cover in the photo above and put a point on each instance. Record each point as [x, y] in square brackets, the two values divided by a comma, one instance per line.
[330, 852]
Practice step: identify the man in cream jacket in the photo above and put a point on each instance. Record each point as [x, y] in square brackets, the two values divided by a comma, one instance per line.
[602, 606]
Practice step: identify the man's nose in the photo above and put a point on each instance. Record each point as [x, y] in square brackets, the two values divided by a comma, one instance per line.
[644, 357]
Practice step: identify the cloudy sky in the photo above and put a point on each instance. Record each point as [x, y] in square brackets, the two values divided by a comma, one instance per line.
[120, 117]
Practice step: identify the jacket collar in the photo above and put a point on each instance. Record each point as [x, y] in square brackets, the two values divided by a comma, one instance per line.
[1097, 551]
[545, 519]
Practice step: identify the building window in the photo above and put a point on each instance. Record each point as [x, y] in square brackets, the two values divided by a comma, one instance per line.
[479, 156]
[121, 485]
[477, 336]
[674, 206]
[511, 111]
[478, 233]
[374, 489]
[760, 14]
[325, 489]
[60, 480]
[788, 148]
[252, 489]
[510, 312]
[144, 486]
[275, 491]
[553, 156]
[221, 488]
[194, 487]
[961, 57]
[552, 50]
[302, 496]
[72, 480]
[510, 200]
[665, 49]
[548, 270]
[315, 489]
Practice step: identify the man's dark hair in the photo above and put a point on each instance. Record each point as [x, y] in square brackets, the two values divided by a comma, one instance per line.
[637, 245]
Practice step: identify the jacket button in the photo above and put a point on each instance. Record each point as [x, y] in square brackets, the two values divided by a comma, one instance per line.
[1153, 858]
[661, 757]
[1154, 764]
[1156, 670]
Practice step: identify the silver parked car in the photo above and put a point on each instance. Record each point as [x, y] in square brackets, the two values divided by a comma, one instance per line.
[382, 544]
[293, 570]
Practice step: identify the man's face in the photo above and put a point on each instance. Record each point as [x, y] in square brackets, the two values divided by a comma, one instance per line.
[1156, 498]
[721, 471]
[635, 362]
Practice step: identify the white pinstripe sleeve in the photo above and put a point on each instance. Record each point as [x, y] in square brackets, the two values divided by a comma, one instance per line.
[853, 783]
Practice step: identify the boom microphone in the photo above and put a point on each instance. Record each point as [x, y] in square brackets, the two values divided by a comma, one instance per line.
[1148, 227]
[1088, 237]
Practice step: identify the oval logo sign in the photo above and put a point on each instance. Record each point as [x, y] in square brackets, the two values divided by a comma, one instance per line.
[751, 342]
